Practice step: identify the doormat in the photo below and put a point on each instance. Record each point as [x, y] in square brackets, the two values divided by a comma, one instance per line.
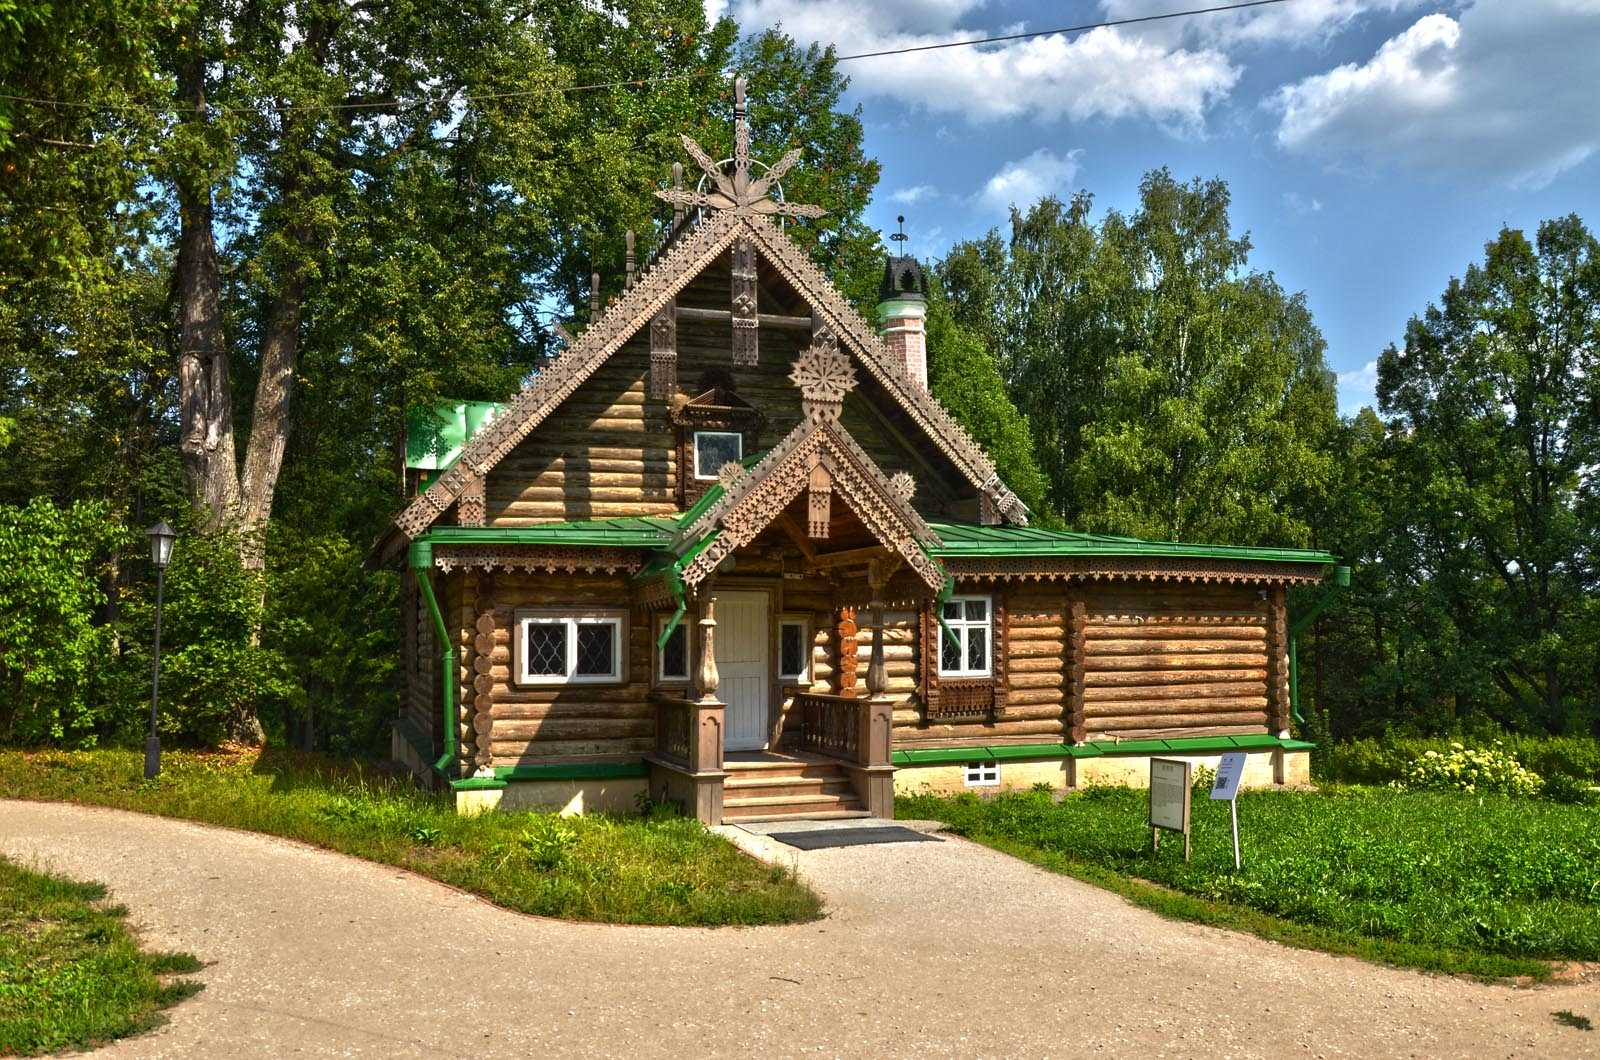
[823, 838]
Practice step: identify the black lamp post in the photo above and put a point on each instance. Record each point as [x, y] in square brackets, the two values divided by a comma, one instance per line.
[161, 538]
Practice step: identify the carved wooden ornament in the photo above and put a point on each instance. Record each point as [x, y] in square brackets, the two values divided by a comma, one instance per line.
[824, 375]
[819, 493]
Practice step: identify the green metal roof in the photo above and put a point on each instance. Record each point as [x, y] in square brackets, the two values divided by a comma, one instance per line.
[631, 532]
[966, 539]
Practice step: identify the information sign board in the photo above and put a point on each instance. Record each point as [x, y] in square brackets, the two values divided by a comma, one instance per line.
[1169, 799]
[1229, 772]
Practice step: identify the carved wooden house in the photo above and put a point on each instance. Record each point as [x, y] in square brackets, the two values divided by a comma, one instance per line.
[727, 549]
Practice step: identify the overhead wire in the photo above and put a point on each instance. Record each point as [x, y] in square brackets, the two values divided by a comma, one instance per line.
[479, 97]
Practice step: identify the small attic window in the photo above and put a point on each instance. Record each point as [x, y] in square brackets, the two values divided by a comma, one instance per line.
[712, 449]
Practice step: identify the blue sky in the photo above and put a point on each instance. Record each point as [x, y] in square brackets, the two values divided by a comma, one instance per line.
[1372, 146]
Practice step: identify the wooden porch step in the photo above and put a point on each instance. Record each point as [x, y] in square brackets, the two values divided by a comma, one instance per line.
[740, 786]
[742, 807]
[816, 815]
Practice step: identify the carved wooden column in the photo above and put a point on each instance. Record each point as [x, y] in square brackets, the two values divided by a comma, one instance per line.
[874, 776]
[846, 664]
[706, 738]
[746, 324]
[483, 680]
[1077, 644]
[1277, 661]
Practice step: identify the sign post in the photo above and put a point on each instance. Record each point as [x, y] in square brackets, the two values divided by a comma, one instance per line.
[1229, 772]
[1169, 800]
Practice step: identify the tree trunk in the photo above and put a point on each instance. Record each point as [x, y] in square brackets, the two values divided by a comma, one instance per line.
[205, 391]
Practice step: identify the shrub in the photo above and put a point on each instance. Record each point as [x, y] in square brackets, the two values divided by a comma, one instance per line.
[52, 562]
[1558, 787]
[1488, 771]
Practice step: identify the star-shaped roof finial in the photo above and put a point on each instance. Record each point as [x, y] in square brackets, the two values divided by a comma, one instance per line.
[739, 193]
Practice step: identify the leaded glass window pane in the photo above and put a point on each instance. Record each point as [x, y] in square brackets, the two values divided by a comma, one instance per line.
[949, 650]
[675, 655]
[712, 449]
[547, 649]
[977, 649]
[952, 611]
[977, 610]
[596, 650]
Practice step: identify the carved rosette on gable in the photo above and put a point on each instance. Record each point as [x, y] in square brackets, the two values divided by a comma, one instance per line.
[824, 375]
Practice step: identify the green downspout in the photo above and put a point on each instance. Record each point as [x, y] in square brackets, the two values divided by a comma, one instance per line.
[421, 559]
[1341, 580]
[945, 593]
[674, 579]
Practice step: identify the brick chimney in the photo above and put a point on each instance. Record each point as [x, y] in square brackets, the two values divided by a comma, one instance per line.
[902, 307]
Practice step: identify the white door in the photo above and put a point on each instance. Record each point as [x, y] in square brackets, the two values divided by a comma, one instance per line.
[742, 643]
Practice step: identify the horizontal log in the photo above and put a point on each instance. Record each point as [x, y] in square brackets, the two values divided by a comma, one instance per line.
[1042, 664]
[1123, 722]
[1120, 646]
[976, 731]
[1146, 678]
[1054, 679]
[574, 728]
[1205, 631]
[1028, 649]
[1052, 631]
[520, 752]
[1212, 690]
[1119, 708]
[1181, 732]
[507, 693]
[1168, 662]
[540, 711]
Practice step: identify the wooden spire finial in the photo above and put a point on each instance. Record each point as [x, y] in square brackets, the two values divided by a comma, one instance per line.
[677, 186]
[594, 295]
[631, 263]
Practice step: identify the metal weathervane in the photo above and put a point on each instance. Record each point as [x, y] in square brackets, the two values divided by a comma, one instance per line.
[738, 193]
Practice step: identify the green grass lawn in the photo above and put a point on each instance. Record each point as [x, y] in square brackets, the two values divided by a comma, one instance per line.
[70, 973]
[1488, 886]
[628, 870]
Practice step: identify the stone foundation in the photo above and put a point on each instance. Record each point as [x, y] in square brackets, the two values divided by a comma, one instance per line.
[566, 797]
[1265, 768]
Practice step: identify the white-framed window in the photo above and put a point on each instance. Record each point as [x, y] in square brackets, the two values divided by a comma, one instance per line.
[794, 650]
[576, 648]
[712, 449]
[673, 659]
[982, 774]
[964, 650]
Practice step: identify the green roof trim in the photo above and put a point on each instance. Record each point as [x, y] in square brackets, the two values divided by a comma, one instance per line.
[575, 771]
[634, 532]
[478, 784]
[1191, 745]
[968, 539]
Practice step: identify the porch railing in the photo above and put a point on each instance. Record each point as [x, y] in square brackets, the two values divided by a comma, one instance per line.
[674, 729]
[830, 725]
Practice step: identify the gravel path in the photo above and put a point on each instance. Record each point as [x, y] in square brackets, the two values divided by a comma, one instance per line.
[928, 949]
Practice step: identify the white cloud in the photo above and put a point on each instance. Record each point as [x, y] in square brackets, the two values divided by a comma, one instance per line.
[1300, 23]
[1025, 181]
[914, 194]
[1358, 388]
[1506, 91]
[1298, 203]
[1100, 74]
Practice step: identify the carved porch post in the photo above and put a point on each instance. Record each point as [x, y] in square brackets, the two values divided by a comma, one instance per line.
[706, 738]
[874, 775]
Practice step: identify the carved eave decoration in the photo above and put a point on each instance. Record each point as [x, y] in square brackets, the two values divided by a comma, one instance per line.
[718, 407]
[548, 559]
[758, 498]
[1135, 568]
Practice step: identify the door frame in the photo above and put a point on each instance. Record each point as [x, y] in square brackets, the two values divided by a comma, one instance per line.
[767, 677]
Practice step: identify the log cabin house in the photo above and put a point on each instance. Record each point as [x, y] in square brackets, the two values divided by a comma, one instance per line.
[727, 550]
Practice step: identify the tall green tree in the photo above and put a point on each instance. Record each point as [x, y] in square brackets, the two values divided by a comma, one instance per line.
[1495, 396]
[1171, 391]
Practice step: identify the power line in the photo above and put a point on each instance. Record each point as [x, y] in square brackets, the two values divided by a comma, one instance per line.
[480, 97]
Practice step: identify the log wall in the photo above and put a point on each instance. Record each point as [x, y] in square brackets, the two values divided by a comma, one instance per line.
[1120, 661]
[531, 726]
